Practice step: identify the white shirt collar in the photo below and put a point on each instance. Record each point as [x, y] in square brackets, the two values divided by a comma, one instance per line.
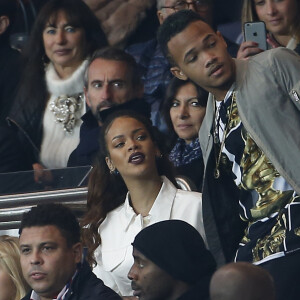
[161, 209]
[292, 44]
[34, 296]
[229, 93]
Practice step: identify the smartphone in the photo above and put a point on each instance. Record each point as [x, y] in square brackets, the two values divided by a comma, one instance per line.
[256, 32]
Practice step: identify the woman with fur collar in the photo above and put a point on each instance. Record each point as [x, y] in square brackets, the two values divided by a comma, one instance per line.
[50, 99]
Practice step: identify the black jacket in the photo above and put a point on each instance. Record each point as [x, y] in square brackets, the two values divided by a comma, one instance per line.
[87, 286]
[11, 158]
[28, 122]
[10, 67]
[199, 291]
[88, 146]
[223, 226]
[193, 171]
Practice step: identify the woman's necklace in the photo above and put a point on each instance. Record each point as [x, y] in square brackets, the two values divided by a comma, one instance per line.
[216, 134]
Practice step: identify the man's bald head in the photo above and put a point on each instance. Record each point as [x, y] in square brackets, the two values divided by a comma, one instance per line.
[242, 280]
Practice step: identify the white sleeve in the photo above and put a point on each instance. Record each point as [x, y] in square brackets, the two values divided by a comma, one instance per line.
[104, 275]
[188, 207]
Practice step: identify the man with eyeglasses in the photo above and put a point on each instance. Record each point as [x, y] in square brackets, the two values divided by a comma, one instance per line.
[168, 7]
[180, 5]
[155, 68]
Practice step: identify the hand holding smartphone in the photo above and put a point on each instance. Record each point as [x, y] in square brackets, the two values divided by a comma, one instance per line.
[256, 32]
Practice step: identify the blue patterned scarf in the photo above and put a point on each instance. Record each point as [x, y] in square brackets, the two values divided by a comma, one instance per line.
[183, 154]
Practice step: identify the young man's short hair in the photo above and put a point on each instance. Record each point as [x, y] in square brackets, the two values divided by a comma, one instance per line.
[173, 25]
[55, 215]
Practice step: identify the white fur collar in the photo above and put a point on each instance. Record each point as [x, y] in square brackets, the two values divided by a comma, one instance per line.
[70, 86]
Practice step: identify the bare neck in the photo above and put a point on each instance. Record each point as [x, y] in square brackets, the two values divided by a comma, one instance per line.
[220, 94]
[66, 72]
[282, 39]
[46, 298]
[221, 91]
[143, 193]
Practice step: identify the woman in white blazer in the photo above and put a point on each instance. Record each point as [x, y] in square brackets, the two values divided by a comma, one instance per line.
[131, 187]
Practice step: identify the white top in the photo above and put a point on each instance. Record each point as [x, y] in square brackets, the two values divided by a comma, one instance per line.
[292, 44]
[57, 144]
[114, 255]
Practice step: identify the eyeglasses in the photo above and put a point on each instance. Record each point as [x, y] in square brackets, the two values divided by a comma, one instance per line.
[199, 5]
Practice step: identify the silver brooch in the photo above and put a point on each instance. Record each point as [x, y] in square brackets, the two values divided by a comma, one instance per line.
[65, 108]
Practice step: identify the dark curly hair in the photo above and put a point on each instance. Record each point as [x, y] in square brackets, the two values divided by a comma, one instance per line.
[56, 215]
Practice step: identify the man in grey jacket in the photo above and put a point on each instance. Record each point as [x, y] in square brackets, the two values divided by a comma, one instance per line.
[250, 136]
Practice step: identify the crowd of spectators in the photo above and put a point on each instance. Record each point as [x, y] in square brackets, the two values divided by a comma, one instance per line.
[189, 103]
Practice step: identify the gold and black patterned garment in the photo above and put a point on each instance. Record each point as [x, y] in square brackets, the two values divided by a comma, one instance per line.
[271, 229]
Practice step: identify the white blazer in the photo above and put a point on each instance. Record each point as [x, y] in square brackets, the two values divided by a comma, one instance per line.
[118, 230]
